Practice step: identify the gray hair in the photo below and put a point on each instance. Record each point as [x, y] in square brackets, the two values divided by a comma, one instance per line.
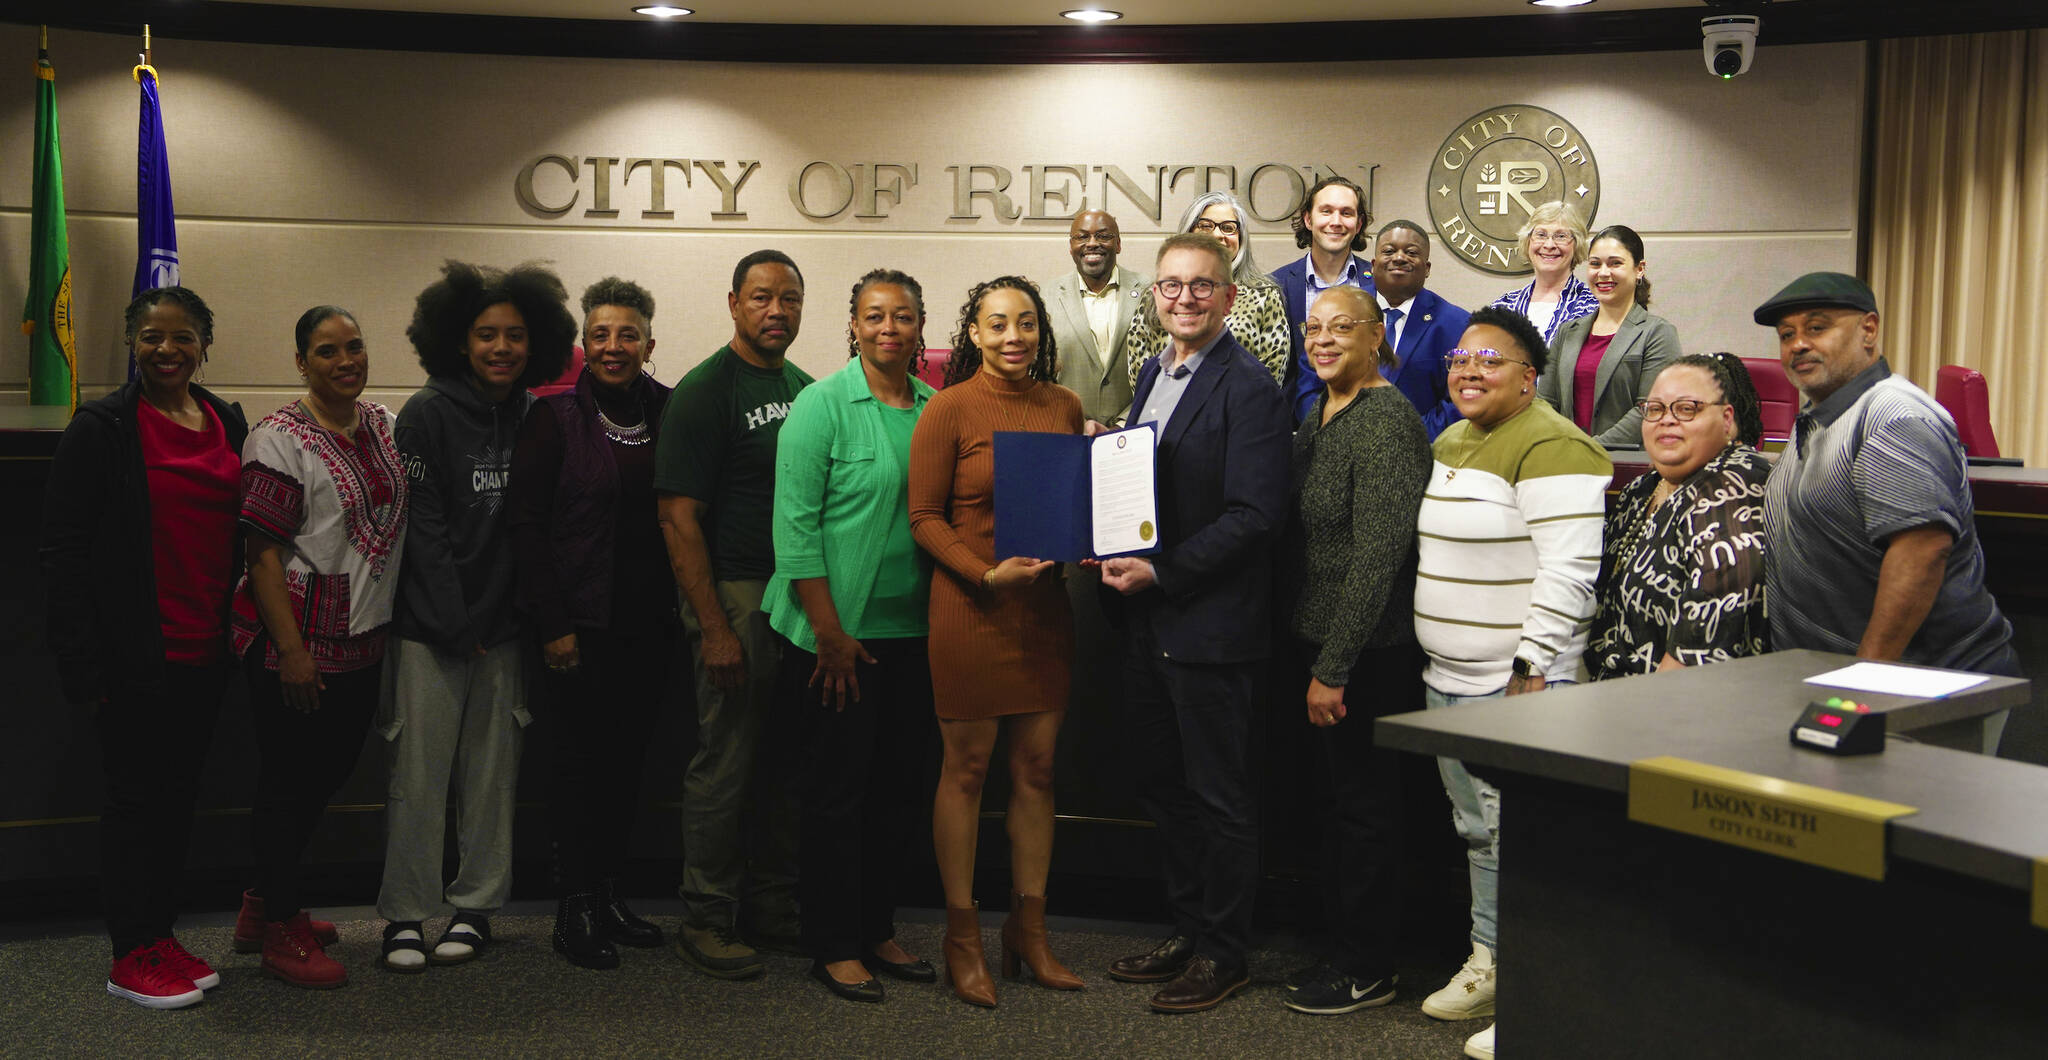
[1245, 271]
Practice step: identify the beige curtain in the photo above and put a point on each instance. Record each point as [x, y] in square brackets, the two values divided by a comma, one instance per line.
[1959, 219]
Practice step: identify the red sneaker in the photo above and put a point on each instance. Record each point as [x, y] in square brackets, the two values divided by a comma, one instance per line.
[182, 962]
[249, 926]
[291, 953]
[146, 978]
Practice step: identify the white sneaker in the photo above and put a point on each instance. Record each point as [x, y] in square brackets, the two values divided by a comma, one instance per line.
[1480, 1046]
[1469, 994]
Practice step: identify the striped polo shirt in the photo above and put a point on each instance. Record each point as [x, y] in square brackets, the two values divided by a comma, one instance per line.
[1508, 550]
[1878, 456]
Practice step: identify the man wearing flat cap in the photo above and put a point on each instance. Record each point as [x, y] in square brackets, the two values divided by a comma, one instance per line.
[1873, 537]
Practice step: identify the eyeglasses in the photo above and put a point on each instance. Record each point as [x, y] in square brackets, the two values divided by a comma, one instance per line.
[1545, 235]
[1228, 228]
[1683, 410]
[1488, 361]
[1200, 290]
[1339, 327]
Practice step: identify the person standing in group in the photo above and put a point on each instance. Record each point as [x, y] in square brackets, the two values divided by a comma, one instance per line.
[1331, 227]
[1002, 640]
[1554, 243]
[324, 504]
[457, 673]
[139, 553]
[1420, 324]
[1873, 532]
[714, 480]
[1361, 460]
[1258, 316]
[1199, 618]
[850, 599]
[1601, 365]
[1508, 550]
[593, 582]
[1682, 578]
[1091, 310]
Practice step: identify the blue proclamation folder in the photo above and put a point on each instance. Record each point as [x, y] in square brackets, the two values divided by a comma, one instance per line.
[1044, 496]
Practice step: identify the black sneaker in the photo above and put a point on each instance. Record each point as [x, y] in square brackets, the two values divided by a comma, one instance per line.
[1321, 971]
[1341, 993]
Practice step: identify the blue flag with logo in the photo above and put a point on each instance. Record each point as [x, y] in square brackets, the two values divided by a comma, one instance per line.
[156, 256]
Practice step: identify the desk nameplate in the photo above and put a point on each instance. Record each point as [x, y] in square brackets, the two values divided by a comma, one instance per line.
[1800, 822]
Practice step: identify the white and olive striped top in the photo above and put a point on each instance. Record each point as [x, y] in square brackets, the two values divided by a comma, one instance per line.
[1508, 550]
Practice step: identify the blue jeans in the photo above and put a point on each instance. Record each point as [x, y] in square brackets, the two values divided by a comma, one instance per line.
[1475, 812]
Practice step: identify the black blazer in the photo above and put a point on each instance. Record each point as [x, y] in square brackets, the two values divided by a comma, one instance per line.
[1223, 496]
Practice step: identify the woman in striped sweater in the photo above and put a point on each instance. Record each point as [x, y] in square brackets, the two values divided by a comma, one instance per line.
[1508, 548]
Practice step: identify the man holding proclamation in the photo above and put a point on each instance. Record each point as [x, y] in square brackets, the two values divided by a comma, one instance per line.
[1199, 619]
[1872, 533]
[1091, 310]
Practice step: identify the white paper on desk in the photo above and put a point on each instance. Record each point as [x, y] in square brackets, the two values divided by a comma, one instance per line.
[1898, 680]
[1126, 507]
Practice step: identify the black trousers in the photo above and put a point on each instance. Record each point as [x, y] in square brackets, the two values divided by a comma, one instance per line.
[1362, 827]
[304, 759]
[153, 742]
[1191, 738]
[599, 719]
[863, 791]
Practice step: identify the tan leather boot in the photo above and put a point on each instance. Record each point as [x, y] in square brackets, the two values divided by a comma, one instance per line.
[965, 964]
[1024, 942]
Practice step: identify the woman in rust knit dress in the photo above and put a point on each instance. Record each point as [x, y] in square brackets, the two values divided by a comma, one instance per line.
[1002, 636]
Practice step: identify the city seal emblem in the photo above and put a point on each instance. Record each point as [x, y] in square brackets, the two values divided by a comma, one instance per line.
[1496, 167]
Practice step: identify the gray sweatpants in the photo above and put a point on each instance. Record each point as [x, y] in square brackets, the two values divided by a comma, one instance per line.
[450, 718]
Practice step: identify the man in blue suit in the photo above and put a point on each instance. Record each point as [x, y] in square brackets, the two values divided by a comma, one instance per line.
[1331, 226]
[1420, 325]
[1199, 613]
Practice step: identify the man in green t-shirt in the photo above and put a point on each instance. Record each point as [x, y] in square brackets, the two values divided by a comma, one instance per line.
[715, 477]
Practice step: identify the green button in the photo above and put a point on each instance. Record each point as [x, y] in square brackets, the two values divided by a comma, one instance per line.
[1834, 701]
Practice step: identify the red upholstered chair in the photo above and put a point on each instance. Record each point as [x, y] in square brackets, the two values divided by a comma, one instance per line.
[934, 371]
[1777, 398]
[567, 380]
[1963, 392]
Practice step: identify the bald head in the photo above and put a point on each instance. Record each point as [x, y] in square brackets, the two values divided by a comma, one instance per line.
[1094, 242]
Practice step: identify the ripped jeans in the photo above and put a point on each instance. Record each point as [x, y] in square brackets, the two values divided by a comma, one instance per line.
[1475, 812]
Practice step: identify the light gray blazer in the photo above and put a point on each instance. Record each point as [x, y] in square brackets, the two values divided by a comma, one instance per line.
[1641, 349]
[1101, 377]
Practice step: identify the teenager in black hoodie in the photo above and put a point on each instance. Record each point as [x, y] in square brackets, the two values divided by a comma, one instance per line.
[455, 677]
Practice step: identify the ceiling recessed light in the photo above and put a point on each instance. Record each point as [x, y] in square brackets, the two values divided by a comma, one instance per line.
[1092, 15]
[1559, 3]
[662, 11]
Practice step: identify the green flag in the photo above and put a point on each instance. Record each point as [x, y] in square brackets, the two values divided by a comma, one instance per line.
[46, 319]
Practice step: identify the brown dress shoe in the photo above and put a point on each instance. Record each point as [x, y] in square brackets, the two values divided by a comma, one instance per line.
[965, 964]
[1024, 945]
[1163, 963]
[1200, 987]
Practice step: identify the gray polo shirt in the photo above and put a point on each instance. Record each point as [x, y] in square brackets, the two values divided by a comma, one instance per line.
[1877, 457]
[1172, 383]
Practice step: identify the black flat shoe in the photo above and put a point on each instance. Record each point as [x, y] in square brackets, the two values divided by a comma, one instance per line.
[911, 971]
[579, 935]
[869, 990]
[622, 925]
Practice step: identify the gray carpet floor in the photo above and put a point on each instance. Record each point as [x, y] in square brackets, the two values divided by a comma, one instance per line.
[521, 1000]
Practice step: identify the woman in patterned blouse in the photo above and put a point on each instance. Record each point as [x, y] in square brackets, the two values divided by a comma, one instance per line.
[323, 507]
[1258, 319]
[1682, 575]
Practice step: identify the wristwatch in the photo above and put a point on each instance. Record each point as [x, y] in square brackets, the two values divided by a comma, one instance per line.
[1524, 668]
[988, 578]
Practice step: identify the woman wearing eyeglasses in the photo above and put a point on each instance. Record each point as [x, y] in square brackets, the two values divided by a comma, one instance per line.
[1604, 363]
[1554, 242]
[1257, 320]
[1507, 552]
[1682, 574]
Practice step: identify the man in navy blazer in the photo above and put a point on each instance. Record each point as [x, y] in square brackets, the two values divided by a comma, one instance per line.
[1331, 226]
[1199, 614]
[1420, 325]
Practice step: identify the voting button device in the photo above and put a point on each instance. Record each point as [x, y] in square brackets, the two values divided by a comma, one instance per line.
[1840, 727]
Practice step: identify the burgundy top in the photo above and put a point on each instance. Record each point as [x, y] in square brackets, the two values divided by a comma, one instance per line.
[194, 499]
[1582, 379]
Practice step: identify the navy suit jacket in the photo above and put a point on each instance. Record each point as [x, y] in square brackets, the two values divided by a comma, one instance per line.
[1429, 328]
[1301, 384]
[1223, 497]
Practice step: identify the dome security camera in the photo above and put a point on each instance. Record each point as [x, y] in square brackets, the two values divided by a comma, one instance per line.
[1728, 43]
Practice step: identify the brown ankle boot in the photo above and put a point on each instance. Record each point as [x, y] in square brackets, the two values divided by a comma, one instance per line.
[965, 964]
[1024, 942]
